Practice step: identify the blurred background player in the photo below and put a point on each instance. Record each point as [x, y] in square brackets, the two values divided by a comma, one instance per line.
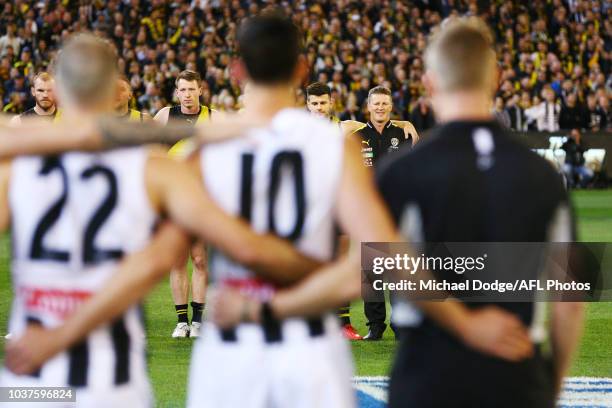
[297, 177]
[474, 182]
[123, 99]
[189, 110]
[42, 91]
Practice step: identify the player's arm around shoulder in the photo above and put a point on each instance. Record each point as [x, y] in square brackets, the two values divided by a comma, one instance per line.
[134, 277]
[162, 116]
[409, 130]
[176, 189]
[5, 175]
[15, 121]
[362, 215]
[348, 127]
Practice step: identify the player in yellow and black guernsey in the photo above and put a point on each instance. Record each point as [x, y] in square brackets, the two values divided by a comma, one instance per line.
[122, 102]
[42, 91]
[188, 91]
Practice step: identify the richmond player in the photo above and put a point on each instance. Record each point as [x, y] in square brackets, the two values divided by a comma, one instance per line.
[189, 111]
[122, 102]
[42, 91]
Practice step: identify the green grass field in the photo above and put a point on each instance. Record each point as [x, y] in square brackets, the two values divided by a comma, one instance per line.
[169, 358]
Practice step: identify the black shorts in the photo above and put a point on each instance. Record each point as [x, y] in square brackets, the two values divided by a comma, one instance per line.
[431, 370]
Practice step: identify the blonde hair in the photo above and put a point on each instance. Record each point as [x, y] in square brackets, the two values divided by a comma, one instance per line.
[85, 68]
[460, 54]
[43, 76]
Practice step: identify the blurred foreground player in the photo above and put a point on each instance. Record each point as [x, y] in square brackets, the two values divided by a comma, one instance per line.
[473, 182]
[304, 364]
[90, 211]
[297, 177]
[281, 182]
[319, 103]
[297, 369]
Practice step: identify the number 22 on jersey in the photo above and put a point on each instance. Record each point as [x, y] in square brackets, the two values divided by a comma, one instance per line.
[90, 253]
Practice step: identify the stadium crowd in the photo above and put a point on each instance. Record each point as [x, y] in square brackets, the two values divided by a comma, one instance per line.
[554, 56]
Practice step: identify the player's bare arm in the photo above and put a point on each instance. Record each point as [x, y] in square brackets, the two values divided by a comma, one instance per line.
[175, 190]
[162, 116]
[35, 137]
[489, 330]
[409, 129]
[340, 282]
[15, 121]
[136, 275]
[5, 217]
[348, 127]
[566, 322]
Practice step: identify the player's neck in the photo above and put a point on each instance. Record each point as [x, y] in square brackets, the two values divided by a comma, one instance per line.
[265, 101]
[190, 111]
[122, 111]
[462, 106]
[79, 111]
[44, 112]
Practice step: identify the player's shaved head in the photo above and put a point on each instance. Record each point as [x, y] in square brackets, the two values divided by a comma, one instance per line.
[460, 55]
[86, 69]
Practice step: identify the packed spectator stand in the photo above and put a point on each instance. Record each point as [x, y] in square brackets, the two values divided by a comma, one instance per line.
[554, 56]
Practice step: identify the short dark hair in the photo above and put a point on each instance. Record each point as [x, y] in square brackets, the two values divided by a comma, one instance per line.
[317, 89]
[379, 90]
[269, 45]
[188, 75]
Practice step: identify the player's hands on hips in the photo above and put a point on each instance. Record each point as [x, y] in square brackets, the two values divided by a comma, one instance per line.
[30, 351]
[228, 308]
[496, 332]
